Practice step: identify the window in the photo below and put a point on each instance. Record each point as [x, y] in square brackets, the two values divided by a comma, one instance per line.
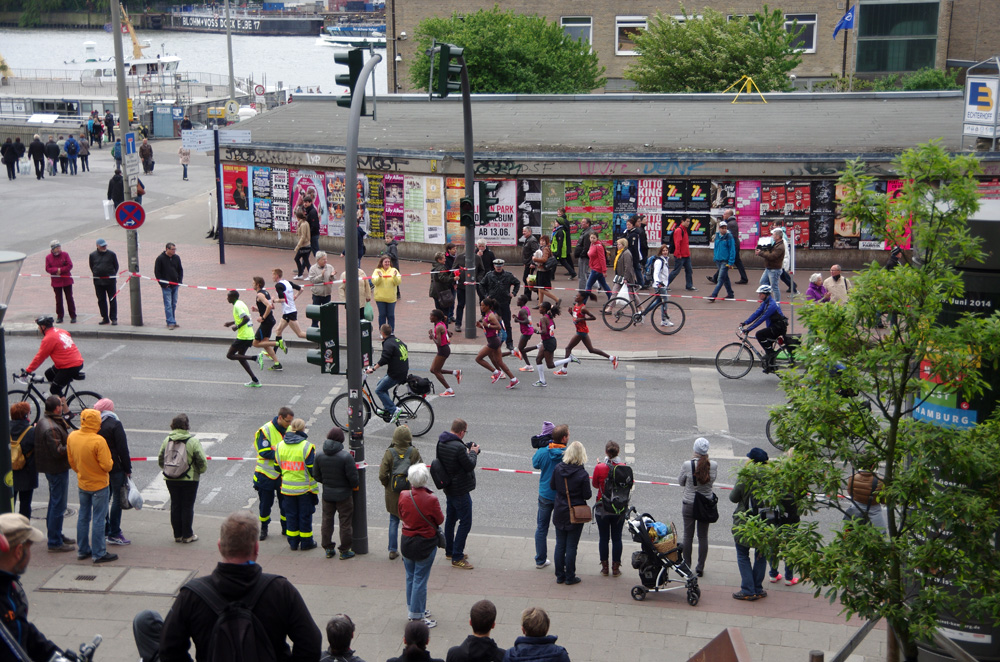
[806, 41]
[626, 27]
[897, 37]
[578, 28]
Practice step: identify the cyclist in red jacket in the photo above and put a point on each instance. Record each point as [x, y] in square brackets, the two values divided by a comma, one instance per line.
[58, 345]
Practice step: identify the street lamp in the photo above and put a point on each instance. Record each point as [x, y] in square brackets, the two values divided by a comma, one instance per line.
[10, 266]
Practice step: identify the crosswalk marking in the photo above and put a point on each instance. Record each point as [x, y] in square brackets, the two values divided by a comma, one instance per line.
[155, 495]
[709, 407]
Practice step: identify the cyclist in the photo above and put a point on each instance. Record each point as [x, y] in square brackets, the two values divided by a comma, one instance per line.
[661, 273]
[768, 312]
[396, 358]
[66, 360]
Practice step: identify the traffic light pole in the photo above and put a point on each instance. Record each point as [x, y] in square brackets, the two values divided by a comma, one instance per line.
[353, 314]
[470, 232]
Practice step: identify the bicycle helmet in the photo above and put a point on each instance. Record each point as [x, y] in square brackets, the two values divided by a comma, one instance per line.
[44, 320]
[764, 288]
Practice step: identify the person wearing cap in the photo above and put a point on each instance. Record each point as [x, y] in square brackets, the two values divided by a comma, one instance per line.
[66, 359]
[104, 268]
[90, 457]
[50, 458]
[113, 433]
[697, 476]
[501, 286]
[336, 471]
[724, 254]
[774, 257]
[751, 573]
[550, 445]
[20, 537]
[59, 265]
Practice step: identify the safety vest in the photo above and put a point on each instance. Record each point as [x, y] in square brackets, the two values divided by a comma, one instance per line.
[295, 477]
[265, 466]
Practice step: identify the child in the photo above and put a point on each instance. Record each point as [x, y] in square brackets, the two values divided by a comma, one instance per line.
[581, 316]
[546, 327]
[339, 633]
[439, 334]
[523, 317]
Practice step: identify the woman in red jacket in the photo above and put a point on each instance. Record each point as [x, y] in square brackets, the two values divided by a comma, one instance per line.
[58, 265]
[420, 513]
[598, 265]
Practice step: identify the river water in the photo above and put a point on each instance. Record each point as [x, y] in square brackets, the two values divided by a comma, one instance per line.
[294, 61]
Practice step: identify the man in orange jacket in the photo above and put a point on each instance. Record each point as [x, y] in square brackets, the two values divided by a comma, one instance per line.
[66, 359]
[90, 458]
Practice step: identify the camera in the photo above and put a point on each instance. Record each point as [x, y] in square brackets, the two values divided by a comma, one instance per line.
[541, 440]
[765, 244]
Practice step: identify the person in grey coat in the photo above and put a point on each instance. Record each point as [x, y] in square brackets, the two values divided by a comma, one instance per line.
[336, 470]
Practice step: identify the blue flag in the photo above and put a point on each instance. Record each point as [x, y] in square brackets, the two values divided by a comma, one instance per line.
[846, 23]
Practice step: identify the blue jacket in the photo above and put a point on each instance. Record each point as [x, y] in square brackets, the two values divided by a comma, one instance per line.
[546, 459]
[536, 649]
[765, 310]
[725, 248]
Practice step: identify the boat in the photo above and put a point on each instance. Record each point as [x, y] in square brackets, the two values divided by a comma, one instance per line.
[145, 69]
[246, 22]
[354, 36]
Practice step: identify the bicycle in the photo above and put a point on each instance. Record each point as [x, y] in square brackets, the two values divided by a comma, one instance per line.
[77, 401]
[414, 411]
[619, 314]
[736, 359]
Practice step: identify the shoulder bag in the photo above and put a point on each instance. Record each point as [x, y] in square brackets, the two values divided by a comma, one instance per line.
[705, 509]
[577, 514]
[440, 534]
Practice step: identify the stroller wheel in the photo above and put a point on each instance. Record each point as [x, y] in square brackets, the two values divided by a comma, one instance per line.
[639, 593]
[693, 595]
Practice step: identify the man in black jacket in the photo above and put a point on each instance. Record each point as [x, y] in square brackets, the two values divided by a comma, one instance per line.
[529, 244]
[36, 150]
[114, 433]
[104, 268]
[116, 188]
[498, 284]
[635, 236]
[465, 276]
[479, 646]
[581, 253]
[335, 469]
[396, 358]
[52, 154]
[459, 461]
[168, 270]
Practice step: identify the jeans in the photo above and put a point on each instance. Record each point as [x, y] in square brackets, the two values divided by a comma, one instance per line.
[58, 487]
[85, 163]
[299, 509]
[609, 528]
[170, 302]
[565, 554]
[690, 525]
[393, 533]
[319, 300]
[789, 570]
[459, 511]
[685, 263]
[72, 166]
[661, 293]
[751, 577]
[314, 245]
[382, 391]
[183, 494]
[417, 574]
[597, 277]
[91, 522]
[772, 277]
[185, 166]
[386, 313]
[722, 279]
[114, 522]
[545, 507]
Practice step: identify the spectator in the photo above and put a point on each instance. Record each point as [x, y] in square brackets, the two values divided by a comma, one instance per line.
[339, 633]
[336, 471]
[465, 275]
[321, 275]
[385, 283]
[116, 188]
[774, 259]
[609, 524]
[90, 458]
[9, 159]
[571, 485]
[170, 273]
[25, 477]
[84, 153]
[697, 476]
[50, 458]
[816, 291]
[537, 645]
[36, 150]
[59, 265]
[562, 243]
[682, 255]
[751, 575]
[183, 489]
[184, 155]
[420, 512]
[364, 290]
[52, 155]
[299, 492]
[104, 269]
[302, 247]
[458, 459]
[113, 433]
[838, 286]
[442, 287]
[633, 237]
[397, 460]
[582, 253]
[551, 445]
[479, 646]
[146, 154]
[415, 639]
[862, 489]
[529, 244]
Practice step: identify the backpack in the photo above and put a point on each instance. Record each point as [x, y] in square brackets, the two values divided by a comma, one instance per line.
[116, 151]
[779, 323]
[769, 514]
[398, 480]
[237, 635]
[617, 489]
[650, 263]
[18, 459]
[72, 148]
[419, 385]
[175, 459]
[670, 243]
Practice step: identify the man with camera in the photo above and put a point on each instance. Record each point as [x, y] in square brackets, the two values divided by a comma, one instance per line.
[458, 459]
[773, 253]
[550, 445]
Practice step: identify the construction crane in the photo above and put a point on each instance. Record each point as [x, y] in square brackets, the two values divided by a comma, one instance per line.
[136, 46]
[5, 70]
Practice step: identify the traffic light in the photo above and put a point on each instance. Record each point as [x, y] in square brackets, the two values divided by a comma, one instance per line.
[467, 208]
[355, 61]
[326, 335]
[487, 198]
[446, 70]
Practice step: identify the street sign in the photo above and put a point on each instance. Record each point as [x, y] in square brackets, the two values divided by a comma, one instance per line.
[130, 215]
[176, 112]
[231, 137]
[198, 140]
[232, 109]
[131, 155]
[130, 143]
[258, 90]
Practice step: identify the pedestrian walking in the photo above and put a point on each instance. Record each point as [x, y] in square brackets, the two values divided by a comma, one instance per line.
[582, 253]
[184, 156]
[113, 432]
[265, 324]
[634, 236]
[625, 276]
[458, 460]
[598, 263]
[523, 320]
[321, 275]
[682, 256]
[336, 471]
[90, 457]
[20, 150]
[72, 148]
[243, 327]
[439, 334]
[550, 446]
[22, 453]
[493, 330]
[59, 266]
[51, 434]
[98, 134]
[116, 153]
[571, 485]
[36, 150]
[546, 330]
[267, 473]
[109, 126]
[63, 157]
[84, 153]
[581, 316]
[392, 473]
[116, 189]
[9, 157]
[385, 284]
[562, 244]
[182, 460]
[697, 476]
[140, 190]
[608, 473]
[104, 269]
[724, 255]
[299, 490]
[169, 273]
[773, 253]
[303, 249]
[420, 513]
[312, 218]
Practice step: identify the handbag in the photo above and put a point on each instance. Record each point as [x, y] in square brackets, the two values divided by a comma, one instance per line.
[705, 509]
[580, 514]
[440, 533]
[550, 264]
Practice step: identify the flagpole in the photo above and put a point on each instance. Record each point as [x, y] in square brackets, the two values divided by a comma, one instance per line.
[843, 66]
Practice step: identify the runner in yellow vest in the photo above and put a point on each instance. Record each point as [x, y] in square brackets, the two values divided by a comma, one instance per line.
[299, 490]
[267, 474]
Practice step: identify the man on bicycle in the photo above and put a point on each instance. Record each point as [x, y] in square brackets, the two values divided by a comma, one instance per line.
[57, 344]
[768, 312]
[396, 358]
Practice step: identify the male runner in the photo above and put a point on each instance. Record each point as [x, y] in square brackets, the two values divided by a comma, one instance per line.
[287, 292]
[243, 327]
[262, 338]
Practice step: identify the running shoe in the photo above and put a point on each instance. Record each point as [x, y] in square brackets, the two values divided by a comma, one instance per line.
[458, 377]
[276, 366]
[573, 359]
[253, 384]
[526, 368]
[517, 354]
[540, 383]
[280, 342]
[614, 362]
[450, 393]
[666, 323]
[395, 417]
[561, 372]
[514, 382]
[120, 539]
[496, 376]
[260, 360]
[792, 582]
[776, 578]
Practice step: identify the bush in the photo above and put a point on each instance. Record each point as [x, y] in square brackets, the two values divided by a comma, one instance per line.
[931, 79]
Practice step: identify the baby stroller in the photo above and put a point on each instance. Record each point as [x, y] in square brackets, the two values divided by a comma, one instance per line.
[658, 555]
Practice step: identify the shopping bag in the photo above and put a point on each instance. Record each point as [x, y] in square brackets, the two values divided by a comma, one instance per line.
[134, 495]
[623, 293]
[109, 208]
[369, 313]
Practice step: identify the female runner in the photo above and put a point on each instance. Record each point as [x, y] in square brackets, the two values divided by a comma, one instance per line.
[581, 316]
[546, 327]
[439, 334]
[491, 326]
[523, 317]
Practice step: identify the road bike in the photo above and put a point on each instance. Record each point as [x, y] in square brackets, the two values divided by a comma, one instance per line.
[736, 359]
[667, 317]
[415, 412]
[77, 401]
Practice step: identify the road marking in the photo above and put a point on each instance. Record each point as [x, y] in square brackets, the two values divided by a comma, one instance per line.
[101, 358]
[709, 407]
[295, 399]
[318, 411]
[209, 381]
[630, 412]
[155, 495]
[170, 217]
[211, 496]
[233, 470]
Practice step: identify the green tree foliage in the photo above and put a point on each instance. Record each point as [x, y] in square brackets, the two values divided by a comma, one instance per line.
[709, 53]
[931, 79]
[939, 485]
[509, 53]
[33, 11]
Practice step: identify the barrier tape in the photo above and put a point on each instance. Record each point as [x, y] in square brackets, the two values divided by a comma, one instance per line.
[220, 458]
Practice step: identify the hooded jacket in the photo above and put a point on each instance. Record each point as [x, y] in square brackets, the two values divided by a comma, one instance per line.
[50, 444]
[195, 454]
[114, 433]
[458, 462]
[336, 470]
[88, 453]
[476, 649]
[536, 649]
[401, 440]
[545, 459]
[575, 477]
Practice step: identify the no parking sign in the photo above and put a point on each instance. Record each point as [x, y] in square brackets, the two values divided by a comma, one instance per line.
[130, 215]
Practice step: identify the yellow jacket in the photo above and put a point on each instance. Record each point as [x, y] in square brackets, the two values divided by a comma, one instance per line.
[88, 453]
[385, 284]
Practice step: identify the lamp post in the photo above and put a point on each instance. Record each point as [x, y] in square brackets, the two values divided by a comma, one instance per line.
[10, 266]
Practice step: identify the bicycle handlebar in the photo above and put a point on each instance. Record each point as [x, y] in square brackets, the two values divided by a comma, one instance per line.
[25, 377]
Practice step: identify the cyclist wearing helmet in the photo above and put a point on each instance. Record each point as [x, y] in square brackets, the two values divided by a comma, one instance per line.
[768, 312]
[66, 359]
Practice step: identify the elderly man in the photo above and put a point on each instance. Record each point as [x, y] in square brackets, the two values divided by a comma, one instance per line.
[774, 257]
[104, 268]
[838, 286]
[321, 275]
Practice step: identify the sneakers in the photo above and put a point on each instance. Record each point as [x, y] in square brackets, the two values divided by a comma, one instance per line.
[450, 393]
[277, 366]
[107, 558]
[544, 564]
[330, 553]
[190, 538]
[517, 354]
[260, 359]
[526, 368]
[614, 362]
[429, 622]
[561, 372]
[394, 419]
[393, 556]
[253, 384]
[776, 578]
[691, 289]
[458, 377]
[120, 539]
[496, 376]
[666, 323]
[573, 359]
[740, 595]
[514, 382]
[463, 564]
[792, 582]
[280, 343]
[65, 547]
[540, 383]
[349, 554]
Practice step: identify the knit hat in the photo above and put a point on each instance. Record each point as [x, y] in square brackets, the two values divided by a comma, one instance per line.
[402, 433]
[758, 455]
[701, 446]
[335, 434]
[104, 404]
[547, 428]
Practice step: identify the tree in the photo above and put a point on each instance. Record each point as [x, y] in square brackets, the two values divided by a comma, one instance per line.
[938, 555]
[509, 53]
[708, 53]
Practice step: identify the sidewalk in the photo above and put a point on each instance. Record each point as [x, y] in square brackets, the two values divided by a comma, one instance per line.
[596, 620]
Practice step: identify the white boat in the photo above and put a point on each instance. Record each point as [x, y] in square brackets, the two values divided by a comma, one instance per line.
[354, 36]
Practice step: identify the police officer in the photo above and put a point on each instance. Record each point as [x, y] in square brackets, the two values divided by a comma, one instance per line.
[267, 474]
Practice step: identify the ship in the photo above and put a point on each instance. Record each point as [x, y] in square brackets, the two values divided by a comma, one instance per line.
[244, 22]
[354, 36]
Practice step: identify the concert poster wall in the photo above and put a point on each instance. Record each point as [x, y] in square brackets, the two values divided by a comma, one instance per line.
[336, 203]
[434, 228]
[529, 206]
[870, 238]
[269, 197]
[393, 207]
[673, 194]
[749, 231]
[772, 199]
[697, 194]
[650, 203]
[313, 183]
[454, 189]
[553, 199]
[723, 195]
[503, 230]
[626, 204]
[748, 198]
[823, 197]
[593, 199]
[375, 204]
[698, 230]
[798, 199]
[821, 230]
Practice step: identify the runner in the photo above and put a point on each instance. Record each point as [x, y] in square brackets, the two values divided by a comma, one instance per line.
[439, 334]
[289, 314]
[545, 328]
[243, 327]
[262, 339]
[492, 326]
[581, 316]
[523, 317]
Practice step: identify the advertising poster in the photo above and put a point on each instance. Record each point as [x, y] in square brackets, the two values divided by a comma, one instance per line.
[529, 206]
[314, 183]
[281, 208]
[800, 231]
[846, 234]
[798, 196]
[553, 199]
[723, 195]
[747, 198]
[989, 189]
[260, 187]
[392, 207]
[454, 189]
[335, 203]
[593, 199]
[376, 204]
[699, 229]
[503, 230]
[361, 190]
[673, 194]
[434, 231]
[235, 188]
[749, 231]
[894, 188]
[823, 197]
[670, 222]
[414, 220]
[696, 195]
[772, 199]
[821, 231]
[626, 203]
[651, 204]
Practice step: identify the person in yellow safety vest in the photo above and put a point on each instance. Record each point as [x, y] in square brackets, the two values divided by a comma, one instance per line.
[267, 474]
[299, 490]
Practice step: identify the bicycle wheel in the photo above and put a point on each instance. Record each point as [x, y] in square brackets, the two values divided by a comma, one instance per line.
[770, 430]
[784, 359]
[734, 360]
[416, 414]
[339, 412]
[668, 319]
[20, 395]
[77, 402]
[617, 314]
